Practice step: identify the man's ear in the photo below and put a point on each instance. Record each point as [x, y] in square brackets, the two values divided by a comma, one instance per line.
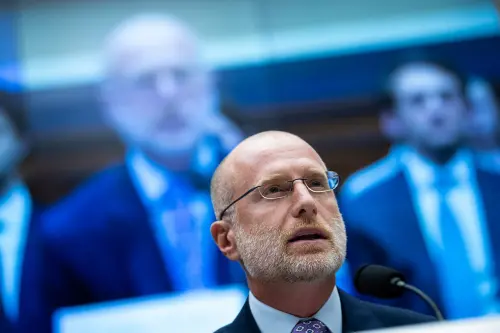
[223, 235]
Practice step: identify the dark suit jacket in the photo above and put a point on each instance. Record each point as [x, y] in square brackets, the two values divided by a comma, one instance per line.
[98, 245]
[382, 228]
[357, 316]
[30, 259]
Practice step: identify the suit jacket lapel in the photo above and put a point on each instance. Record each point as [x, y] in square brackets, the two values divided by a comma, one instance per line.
[488, 184]
[145, 263]
[244, 322]
[356, 316]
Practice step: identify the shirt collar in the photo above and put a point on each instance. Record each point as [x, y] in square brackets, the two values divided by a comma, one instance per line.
[272, 320]
[15, 203]
[423, 170]
[152, 181]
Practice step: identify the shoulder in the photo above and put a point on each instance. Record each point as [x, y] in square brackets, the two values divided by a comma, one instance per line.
[392, 316]
[370, 178]
[84, 208]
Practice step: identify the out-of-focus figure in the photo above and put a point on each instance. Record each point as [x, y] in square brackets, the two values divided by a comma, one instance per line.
[432, 212]
[18, 225]
[142, 227]
[483, 125]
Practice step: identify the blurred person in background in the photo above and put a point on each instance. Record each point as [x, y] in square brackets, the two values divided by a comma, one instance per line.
[18, 226]
[142, 227]
[433, 215]
[483, 127]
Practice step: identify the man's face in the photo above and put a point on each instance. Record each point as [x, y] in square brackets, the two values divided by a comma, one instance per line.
[483, 120]
[158, 95]
[431, 106]
[264, 229]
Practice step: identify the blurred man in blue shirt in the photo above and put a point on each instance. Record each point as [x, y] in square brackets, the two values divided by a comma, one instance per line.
[432, 212]
[141, 227]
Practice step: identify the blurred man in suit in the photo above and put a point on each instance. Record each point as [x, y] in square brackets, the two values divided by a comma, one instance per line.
[278, 216]
[433, 215]
[141, 228]
[18, 223]
[483, 127]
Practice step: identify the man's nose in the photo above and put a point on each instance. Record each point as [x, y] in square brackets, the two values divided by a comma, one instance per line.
[304, 205]
[434, 103]
[166, 86]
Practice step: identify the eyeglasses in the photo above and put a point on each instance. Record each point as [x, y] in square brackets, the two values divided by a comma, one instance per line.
[281, 189]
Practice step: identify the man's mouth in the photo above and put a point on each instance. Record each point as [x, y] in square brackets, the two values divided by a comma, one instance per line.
[309, 234]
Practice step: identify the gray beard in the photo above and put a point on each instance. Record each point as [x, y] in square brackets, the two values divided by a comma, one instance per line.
[264, 257]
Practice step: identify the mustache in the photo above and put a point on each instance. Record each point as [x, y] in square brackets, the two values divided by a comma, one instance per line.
[310, 223]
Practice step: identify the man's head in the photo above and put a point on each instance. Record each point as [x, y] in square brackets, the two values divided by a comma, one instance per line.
[428, 98]
[482, 127]
[157, 91]
[262, 233]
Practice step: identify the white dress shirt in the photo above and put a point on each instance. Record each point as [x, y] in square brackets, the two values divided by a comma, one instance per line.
[270, 320]
[15, 216]
[464, 200]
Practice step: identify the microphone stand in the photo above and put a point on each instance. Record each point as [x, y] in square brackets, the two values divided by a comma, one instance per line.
[400, 283]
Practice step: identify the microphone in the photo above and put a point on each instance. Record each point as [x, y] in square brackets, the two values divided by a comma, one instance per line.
[385, 282]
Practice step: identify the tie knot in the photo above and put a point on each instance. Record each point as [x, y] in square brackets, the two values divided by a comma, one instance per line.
[310, 326]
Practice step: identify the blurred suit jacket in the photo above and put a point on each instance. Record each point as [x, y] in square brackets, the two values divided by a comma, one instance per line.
[383, 228]
[98, 245]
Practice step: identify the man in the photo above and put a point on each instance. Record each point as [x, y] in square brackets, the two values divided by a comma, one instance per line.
[141, 228]
[277, 216]
[433, 215]
[18, 224]
[483, 126]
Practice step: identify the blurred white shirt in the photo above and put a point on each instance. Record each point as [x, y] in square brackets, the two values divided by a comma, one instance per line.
[15, 216]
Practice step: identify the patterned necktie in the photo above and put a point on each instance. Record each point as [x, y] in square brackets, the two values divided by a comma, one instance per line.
[310, 326]
[458, 279]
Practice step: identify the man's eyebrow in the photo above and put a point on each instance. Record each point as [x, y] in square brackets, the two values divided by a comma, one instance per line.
[280, 176]
[315, 171]
[271, 177]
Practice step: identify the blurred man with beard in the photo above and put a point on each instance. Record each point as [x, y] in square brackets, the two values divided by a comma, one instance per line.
[141, 228]
[432, 215]
[278, 216]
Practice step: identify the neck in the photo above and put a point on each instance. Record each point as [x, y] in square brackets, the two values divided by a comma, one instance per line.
[485, 145]
[301, 299]
[439, 156]
[176, 162]
[6, 182]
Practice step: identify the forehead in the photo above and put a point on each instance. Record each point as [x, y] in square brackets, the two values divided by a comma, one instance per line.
[148, 47]
[285, 160]
[416, 78]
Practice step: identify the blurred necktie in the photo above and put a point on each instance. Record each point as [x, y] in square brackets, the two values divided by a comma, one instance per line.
[183, 234]
[458, 279]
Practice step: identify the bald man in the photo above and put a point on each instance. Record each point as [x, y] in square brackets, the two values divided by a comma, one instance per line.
[278, 216]
[141, 228]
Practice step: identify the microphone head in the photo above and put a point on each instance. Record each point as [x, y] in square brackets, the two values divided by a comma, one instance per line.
[378, 281]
